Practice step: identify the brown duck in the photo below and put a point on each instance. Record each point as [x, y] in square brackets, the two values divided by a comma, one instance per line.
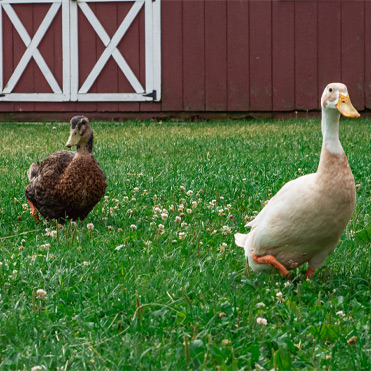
[67, 184]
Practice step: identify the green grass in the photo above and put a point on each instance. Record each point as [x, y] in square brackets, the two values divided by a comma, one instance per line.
[125, 298]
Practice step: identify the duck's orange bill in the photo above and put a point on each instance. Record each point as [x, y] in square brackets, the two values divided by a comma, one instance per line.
[346, 108]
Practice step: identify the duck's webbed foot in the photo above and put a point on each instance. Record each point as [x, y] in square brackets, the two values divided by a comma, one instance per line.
[33, 210]
[271, 260]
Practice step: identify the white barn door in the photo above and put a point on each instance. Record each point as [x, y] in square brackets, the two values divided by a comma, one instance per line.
[58, 92]
[75, 86]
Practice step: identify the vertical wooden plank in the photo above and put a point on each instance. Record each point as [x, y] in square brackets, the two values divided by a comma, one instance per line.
[8, 62]
[352, 50]
[88, 55]
[145, 33]
[50, 48]
[283, 49]
[157, 48]
[107, 81]
[329, 44]
[193, 55]
[306, 72]
[215, 55]
[172, 55]
[238, 55]
[46, 48]
[260, 55]
[129, 47]
[367, 28]
[25, 84]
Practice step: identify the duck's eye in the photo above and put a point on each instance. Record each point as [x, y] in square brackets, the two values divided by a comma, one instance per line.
[330, 90]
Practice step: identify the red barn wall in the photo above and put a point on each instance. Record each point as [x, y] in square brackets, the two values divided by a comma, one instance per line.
[226, 56]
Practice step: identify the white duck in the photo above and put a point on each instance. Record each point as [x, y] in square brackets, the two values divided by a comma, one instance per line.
[304, 221]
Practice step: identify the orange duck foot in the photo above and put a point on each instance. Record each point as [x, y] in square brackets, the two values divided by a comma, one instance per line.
[34, 210]
[309, 273]
[271, 260]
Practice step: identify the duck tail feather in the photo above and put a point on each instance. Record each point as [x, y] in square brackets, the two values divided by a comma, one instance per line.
[33, 171]
[240, 239]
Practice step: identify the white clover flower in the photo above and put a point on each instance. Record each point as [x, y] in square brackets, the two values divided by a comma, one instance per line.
[133, 226]
[190, 193]
[130, 211]
[287, 284]
[226, 229]
[182, 235]
[340, 313]
[194, 204]
[161, 228]
[156, 210]
[178, 219]
[126, 198]
[260, 305]
[136, 189]
[221, 212]
[53, 233]
[1, 264]
[90, 226]
[15, 272]
[182, 188]
[37, 368]
[24, 206]
[189, 211]
[106, 198]
[184, 224]
[41, 293]
[45, 246]
[164, 216]
[133, 199]
[279, 295]
[171, 208]
[229, 206]
[181, 207]
[261, 321]
[85, 263]
[221, 198]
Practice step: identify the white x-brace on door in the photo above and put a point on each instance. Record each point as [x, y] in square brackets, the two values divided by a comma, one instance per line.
[71, 90]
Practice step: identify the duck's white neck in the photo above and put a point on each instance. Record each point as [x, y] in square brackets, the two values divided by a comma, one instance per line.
[330, 130]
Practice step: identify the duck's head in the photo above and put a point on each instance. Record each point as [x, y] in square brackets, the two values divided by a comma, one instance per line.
[336, 97]
[81, 134]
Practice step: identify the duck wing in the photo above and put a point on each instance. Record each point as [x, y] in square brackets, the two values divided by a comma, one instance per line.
[289, 218]
[43, 179]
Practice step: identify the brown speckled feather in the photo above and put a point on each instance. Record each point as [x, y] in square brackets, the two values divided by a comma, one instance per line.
[67, 184]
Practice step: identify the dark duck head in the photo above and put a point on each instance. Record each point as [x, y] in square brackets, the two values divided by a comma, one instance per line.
[81, 134]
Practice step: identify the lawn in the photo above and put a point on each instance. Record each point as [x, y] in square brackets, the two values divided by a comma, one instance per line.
[159, 283]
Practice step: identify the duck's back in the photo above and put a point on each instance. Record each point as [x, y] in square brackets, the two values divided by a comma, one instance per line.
[82, 186]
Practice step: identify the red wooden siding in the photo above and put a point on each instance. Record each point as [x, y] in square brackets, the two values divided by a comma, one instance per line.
[217, 56]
